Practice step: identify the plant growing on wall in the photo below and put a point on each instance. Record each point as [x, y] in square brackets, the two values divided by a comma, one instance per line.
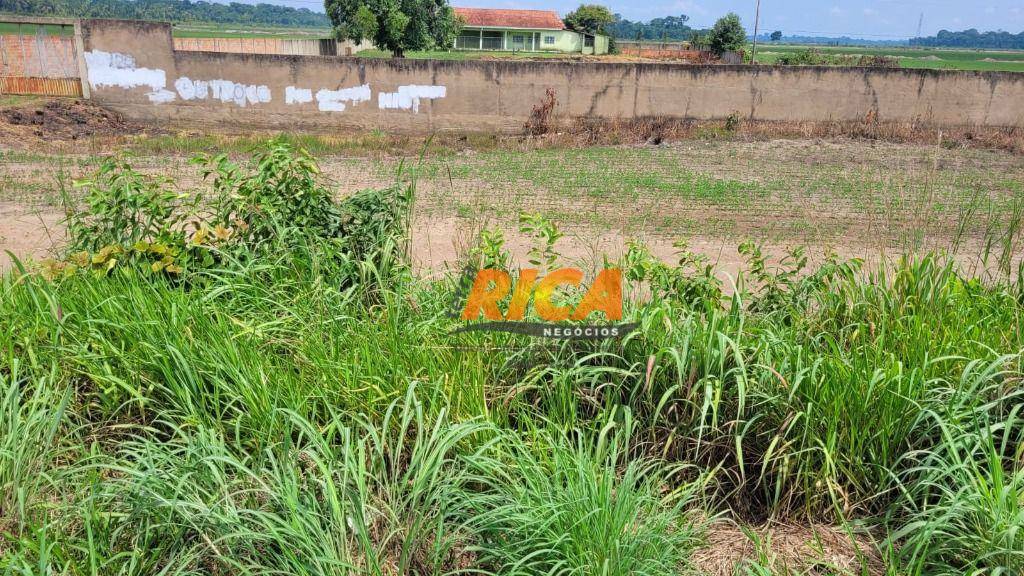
[727, 35]
[395, 25]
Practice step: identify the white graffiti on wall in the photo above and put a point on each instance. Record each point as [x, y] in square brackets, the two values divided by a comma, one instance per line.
[293, 95]
[223, 90]
[408, 97]
[334, 100]
[106, 69]
[119, 70]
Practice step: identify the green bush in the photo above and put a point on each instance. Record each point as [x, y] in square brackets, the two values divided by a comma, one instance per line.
[275, 205]
[727, 35]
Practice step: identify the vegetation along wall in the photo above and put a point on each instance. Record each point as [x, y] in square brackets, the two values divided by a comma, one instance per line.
[133, 67]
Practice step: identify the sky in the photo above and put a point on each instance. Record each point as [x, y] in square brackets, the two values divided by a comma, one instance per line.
[860, 18]
[872, 19]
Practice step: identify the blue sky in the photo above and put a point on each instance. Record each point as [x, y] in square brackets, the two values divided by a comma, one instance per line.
[856, 18]
[861, 18]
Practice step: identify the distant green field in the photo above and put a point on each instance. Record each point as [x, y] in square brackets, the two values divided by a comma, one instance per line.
[188, 31]
[935, 58]
[32, 29]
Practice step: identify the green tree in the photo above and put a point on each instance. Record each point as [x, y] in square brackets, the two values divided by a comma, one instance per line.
[395, 25]
[590, 19]
[727, 35]
[776, 36]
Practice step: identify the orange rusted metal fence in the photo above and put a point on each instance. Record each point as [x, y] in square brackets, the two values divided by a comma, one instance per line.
[42, 86]
[663, 50]
[40, 59]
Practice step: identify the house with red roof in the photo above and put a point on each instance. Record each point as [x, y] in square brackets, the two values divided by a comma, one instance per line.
[523, 31]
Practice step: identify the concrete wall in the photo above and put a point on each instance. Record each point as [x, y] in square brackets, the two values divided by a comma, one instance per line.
[132, 67]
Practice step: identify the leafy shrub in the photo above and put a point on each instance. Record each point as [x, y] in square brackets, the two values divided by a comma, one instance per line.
[123, 206]
[279, 193]
[692, 282]
[275, 206]
[816, 57]
[545, 234]
[727, 35]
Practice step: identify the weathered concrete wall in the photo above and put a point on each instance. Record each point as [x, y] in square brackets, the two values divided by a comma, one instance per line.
[133, 67]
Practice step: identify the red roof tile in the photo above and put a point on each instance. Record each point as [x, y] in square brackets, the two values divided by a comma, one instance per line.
[494, 18]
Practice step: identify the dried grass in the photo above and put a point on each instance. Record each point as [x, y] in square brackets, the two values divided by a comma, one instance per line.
[788, 548]
[655, 130]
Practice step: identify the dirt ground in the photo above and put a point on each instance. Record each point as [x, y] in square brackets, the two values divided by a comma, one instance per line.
[37, 122]
[28, 233]
[856, 198]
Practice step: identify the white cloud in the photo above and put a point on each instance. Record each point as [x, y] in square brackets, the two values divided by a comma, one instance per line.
[836, 11]
[870, 12]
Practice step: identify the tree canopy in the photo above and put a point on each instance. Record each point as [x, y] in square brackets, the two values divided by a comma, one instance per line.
[972, 39]
[170, 10]
[668, 28]
[395, 25]
[589, 18]
[727, 35]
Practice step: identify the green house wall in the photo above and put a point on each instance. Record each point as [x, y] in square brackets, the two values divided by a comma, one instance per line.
[565, 40]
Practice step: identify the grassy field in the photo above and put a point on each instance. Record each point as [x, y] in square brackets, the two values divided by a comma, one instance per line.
[935, 58]
[243, 375]
[32, 29]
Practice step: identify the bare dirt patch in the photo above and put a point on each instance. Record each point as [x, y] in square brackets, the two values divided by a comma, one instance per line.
[61, 119]
[27, 232]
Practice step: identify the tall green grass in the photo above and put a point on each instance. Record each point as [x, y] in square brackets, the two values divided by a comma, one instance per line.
[292, 401]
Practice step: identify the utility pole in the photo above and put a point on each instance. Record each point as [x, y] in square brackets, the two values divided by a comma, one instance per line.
[757, 20]
[920, 23]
